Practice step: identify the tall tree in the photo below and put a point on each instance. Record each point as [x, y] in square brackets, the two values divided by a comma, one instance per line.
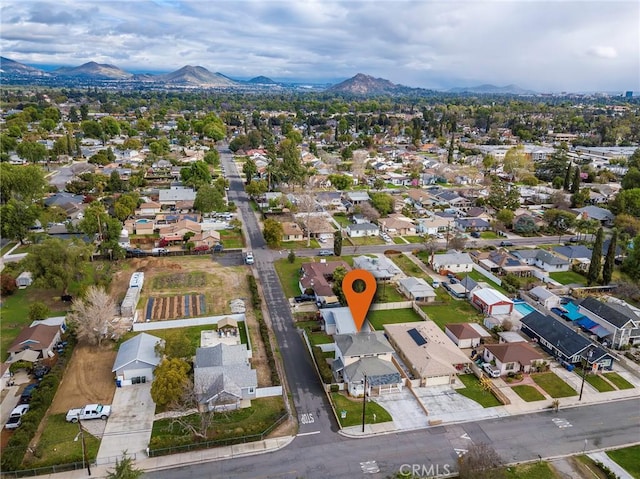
[337, 243]
[596, 259]
[272, 232]
[610, 259]
[249, 169]
[575, 184]
[567, 178]
[92, 316]
[54, 263]
[17, 218]
[208, 199]
[170, 379]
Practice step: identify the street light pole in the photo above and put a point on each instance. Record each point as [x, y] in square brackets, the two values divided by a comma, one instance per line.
[84, 447]
[584, 371]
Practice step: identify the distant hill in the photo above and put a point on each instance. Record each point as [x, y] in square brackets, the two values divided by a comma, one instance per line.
[362, 84]
[262, 80]
[94, 70]
[11, 67]
[196, 76]
[492, 89]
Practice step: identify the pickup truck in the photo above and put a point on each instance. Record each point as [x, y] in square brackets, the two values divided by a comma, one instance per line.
[90, 411]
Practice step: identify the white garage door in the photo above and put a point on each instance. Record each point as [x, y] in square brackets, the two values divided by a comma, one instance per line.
[438, 381]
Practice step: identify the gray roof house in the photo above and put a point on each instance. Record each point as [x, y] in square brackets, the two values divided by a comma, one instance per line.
[549, 262]
[223, 377]
[417, 289]
[604, 216]
[621, 322]
[136, 359]
[359, 230]
[381, 267]
[453, 261]
[175, 194]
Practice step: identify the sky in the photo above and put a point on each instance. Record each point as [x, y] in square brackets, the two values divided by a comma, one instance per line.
[545, 46]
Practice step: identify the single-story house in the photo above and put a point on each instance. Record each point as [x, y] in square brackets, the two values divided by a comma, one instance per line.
[621, 322]
[472, 224]
[550, 263]
[318, 277]
[291, 231]
[491, 301]
[381, 267]
[136, 359]
[545, 297]
[223, 377]
[397, 224]
[452, 261]
[41, 339]
[24, 279]
[208, 238]
[174, 194]
[563, 342]
[417, 289]
[150, 208]
[382, 376]
[512, 357]
[427, 351]
[590, 212]
[357, 197]
[361, 230]
[340, 321]
[465, 335]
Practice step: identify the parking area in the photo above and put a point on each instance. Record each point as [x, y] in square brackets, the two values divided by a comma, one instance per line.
[445, 404]
[129, 426]
[404, 409]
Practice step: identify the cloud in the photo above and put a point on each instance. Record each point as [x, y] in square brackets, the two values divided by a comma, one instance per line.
[602, 52]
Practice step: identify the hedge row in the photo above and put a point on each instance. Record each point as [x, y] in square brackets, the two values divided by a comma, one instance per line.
[323, 366]
[256, 301]
[41, 399]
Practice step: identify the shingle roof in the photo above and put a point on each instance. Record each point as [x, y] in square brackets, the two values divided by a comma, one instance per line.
[378, 372]
[362, 343]
[463, 331]
[550, 258]
[522, 353]
[560, 336]
[36, 338]
[606, 312]
[140, 348]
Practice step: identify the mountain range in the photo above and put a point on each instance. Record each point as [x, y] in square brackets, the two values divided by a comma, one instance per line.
[199, 77]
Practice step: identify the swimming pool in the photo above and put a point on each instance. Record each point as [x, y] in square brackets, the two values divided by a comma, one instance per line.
[523, 308]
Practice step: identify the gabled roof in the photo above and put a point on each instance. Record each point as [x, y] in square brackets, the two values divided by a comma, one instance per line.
[573, 251]
[522, 353]
[549, 258]
[221, 355]
[36, 338]
[418, 287]
[555, 333]
[491, 296]
[378, 372]
[452, 258]
[359, 344]
[140, 348]
[463, 331]
[612, 316]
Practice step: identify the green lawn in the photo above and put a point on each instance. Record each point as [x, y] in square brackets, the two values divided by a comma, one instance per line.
[320, 338]
[387, 293]
[408, 267]
[568, 277]
[628, 459]
[342, 220]
[414, 239]
[553, 385]
[391, 316]
[7, 247]
[57, 445]
[528, 393]
[289, 274]
[294, 245]
[618, 381]
[353, 410]
[596, 381]
[535, 470]
[474, 391]
[488, 235]
[232, 238]
[452, 312]
[366, 241]
[226, 426]
[398, 240]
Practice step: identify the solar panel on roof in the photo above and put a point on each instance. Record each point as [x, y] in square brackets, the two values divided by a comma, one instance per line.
[417, 337]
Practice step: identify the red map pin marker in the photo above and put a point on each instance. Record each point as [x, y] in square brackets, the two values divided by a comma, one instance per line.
[359, 287]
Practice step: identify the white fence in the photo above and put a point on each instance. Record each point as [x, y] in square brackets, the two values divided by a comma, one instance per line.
[185, 323]
[268, 392]
[487, 274]
[395, 305]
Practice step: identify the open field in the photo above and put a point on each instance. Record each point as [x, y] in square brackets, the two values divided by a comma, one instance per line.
[408, 267]
[452, 312]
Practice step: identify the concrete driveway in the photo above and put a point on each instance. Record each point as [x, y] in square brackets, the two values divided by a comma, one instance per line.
[129, 426]
[404, 409]
[444, 403]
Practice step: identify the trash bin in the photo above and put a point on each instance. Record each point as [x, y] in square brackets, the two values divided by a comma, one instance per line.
[118, 383]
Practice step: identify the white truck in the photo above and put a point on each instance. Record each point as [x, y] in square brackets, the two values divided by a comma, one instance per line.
[90, 411]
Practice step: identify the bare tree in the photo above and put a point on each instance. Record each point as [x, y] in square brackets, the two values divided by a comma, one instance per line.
[457, 242]
[481, 461]
[369, 212]
[92, 316]
[306, 206]
[187, 405]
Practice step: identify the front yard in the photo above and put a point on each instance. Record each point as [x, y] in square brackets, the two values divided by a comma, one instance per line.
[289, 274]
[596, 381]
[364, 241]
[473, 390]
[628, 459]
[553, 385]
[353, 410]
[232, 238]
[528, 393]
[618, 381]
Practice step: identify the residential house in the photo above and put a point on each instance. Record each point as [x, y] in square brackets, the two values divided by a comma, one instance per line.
[340, 321]
[223, 377]
[550, 263]
[365, 354]
[525, 223]
[466, 335]
[136, 359]
[331, 200]
[357, 197]
[149, 208]
[176, 231]
[432, 225]
[563, 342]
[318, 277]
[622, 323]
[451, 198]
[472, 224]
[512, 357]
[208, 238]
[427, 351]
[381, 267]
[396, 224]
[602, 215]
[318, 226]
[577, 255]
[417, 289]
[291, 231]
[544, 297]
[491, 302]
[502, 262]
[453, 261]
[362, 230]
[174, 194]
[34, 342]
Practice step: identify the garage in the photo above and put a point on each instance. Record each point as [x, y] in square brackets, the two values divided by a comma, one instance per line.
[491, 302]
[136, 360]
[437, 380]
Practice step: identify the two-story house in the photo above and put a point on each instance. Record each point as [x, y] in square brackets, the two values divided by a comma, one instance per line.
[620, 320]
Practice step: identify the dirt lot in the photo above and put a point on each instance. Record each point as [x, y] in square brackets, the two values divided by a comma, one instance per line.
[88, 379]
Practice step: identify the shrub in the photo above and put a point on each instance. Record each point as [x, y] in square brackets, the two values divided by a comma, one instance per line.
[323, 367]
[7, 284]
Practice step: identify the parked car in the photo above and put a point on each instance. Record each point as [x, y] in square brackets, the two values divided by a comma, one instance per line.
[303, 298]
[25, 397]
[136, 252]
[475, 234]
[218, 248]
[325, 252]
[490, 370]
[248, 258]
[40, 370]
[202, 248]
[90, 411]
[15, 418]
[506, 243]
[159, 251]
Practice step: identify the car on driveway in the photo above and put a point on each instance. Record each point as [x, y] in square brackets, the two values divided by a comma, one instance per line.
[490, 370]
[303, 298]
[40, 370]
[325, 252]
[15, 418]
[25, 397]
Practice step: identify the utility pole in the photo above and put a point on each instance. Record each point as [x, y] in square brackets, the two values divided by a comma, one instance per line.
[364, 402]
[584, 371]
[84, 447]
